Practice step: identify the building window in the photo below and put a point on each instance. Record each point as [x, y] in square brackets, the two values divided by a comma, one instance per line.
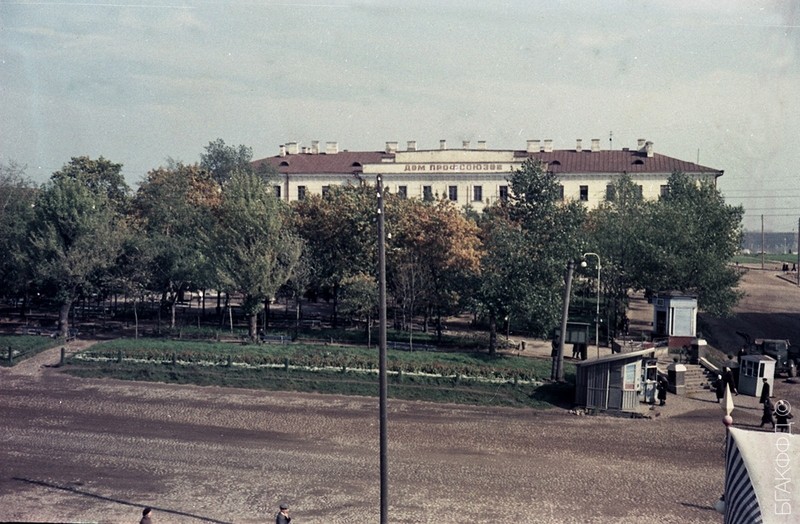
[611, 192]
[477, 193]
[427, 193]
[277, 191]
[504, 193]
[560, 191]
[584, 193]
[452, 193]
[301, 192]
[402, 192]
[326, 190]
[664, 191]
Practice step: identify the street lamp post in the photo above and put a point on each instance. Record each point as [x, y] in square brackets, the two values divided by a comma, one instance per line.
[597, 314]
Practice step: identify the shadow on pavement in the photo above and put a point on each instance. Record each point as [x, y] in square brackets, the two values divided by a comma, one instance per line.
[109, 499]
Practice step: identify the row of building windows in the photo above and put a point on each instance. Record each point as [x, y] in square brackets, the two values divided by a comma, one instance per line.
[477, 192]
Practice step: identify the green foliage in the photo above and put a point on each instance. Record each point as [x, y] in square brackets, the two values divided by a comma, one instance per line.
[74, 239]
[258, 253]
[100, 176]
[17, 196]
[223, 161]
[527, 243]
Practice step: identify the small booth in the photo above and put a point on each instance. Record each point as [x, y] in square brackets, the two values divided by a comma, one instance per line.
[675, 318]
[613, 382]
[752, 370]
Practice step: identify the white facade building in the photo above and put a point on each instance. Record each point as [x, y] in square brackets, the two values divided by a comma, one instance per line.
[475, 175]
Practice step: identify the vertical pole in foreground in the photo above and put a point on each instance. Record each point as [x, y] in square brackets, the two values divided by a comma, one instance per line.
[382, 356]
[564, 317]
[797, 273]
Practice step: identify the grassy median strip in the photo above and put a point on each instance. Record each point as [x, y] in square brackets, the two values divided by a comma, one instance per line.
[15, 348]
[471, 378]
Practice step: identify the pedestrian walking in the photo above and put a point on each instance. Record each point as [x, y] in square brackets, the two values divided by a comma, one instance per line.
[719, 388]
[766, 417]
[146, 516]
[661, 389]
[283, 515]
[764, 391]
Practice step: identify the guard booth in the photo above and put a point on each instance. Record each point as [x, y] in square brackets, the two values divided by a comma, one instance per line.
[611, 383]
[675, 318]
[752, 370]
[649, 381]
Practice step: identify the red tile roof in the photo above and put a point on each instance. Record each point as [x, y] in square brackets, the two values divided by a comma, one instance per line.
[560, 161]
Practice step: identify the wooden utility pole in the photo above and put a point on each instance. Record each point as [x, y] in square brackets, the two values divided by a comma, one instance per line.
[384, 422]
[559, 364]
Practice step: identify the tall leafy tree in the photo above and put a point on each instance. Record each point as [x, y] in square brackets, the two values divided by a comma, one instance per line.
[75, 234]
[100, 176]
[172, 204]
[617, 231]
[340, 235]
[435, 250]
[222, 160]
[17, 196]
[528, 242]
[692, 238]
[254, 250]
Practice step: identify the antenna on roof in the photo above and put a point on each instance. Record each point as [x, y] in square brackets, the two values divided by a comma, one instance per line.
[610, 140]
[698, 156]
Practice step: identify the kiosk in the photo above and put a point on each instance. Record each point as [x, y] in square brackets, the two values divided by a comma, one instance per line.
[752, 369]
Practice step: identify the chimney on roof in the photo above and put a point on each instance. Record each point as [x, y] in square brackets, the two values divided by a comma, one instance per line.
[548, 145]
[442, 144]
[533, 146]
[304, 150]
[481, 144]
[640, 144]
[465, 144]
[411, 145]
[648, 147]
[595, 145]
[291, 148]
[579, 146]
[331, 148]
[315, 147]
[283, 150]
[391, 147]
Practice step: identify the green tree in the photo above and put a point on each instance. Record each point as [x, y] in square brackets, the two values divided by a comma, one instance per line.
[100, 176]
[360, 299]
[254, 251]
[693, 236]
[74, 237]
[618, 232]
[17, 197]
[527, 244]
[340, 234]
[223, 161]
[171, 205]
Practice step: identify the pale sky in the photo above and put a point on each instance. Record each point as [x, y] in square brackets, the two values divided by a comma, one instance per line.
[142, 81]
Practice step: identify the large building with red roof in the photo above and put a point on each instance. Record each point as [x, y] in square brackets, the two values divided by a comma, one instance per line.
[475, 175]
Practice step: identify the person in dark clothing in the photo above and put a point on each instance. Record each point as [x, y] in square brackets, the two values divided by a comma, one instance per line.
[283, 515]
[764, 391]
[727, 378]
[766, 417]
[146, 513]
[719, 388]
[661, 389]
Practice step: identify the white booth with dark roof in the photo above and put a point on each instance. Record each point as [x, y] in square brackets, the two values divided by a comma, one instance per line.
[611, 383]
